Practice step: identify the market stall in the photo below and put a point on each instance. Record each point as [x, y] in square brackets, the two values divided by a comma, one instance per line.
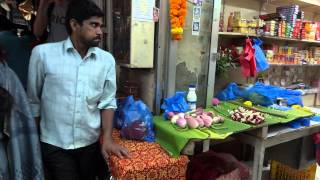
[289, 34]
[174, 139]
[251, 123]
[274, 43]
[200, 53]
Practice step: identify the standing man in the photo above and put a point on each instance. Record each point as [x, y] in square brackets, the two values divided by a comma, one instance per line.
[50, 20]
[71, 87]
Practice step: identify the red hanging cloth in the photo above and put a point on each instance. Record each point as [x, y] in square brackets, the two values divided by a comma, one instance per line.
[248, 61]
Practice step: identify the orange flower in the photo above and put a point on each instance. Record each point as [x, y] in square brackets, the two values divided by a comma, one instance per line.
[175, 12]
[175, 23]
[177, 37]
[183, 12]
[181, 20]
[175, 6]
[178, 14]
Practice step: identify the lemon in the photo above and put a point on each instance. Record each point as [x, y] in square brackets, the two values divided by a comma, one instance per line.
[248, 103]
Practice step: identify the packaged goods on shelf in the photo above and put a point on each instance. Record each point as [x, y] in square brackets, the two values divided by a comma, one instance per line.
[292, 55]
[300, 15]
[245, 30]
[309, 30]
[241, 25]
[286, 22]
[270, 28]
[290, 12]
[297, 29]
[230, 22]
[271, 16]
[318, 32]
[315, 52]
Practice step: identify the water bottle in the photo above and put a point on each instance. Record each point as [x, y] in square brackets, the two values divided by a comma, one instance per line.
[192, 98]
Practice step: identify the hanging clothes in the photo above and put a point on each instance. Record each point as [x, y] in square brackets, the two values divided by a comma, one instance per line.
[11, 17]
[20, 154]
[261, 60]
[247, 60]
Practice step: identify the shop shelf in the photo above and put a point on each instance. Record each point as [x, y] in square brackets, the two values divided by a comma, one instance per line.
[236, 34]
[294, 64]
[302, 3]
[305, 5]
[291, 39]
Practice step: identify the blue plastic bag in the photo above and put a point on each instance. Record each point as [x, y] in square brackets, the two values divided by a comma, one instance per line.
[229, 93]
[268, 95]
[261, 60]
[232, 92]
[261, 94]
[176, 103]
[137, 121]
[118, 117]
[300, 122]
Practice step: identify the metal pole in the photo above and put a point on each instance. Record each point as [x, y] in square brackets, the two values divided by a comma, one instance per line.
[171, 66]
[171, 69]
[109, 24]
[162, 51]
[213, 50]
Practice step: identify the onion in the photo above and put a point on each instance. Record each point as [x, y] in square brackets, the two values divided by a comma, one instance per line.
[181, 122]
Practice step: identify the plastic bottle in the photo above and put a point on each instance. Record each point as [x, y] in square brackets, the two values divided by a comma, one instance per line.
[230, 23]
[192, 97]
[221, 24]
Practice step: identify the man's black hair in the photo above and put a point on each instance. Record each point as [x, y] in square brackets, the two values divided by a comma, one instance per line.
[81, 10]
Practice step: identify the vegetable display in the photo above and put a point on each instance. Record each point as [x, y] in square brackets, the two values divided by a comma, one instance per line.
[247, 116]
[195, 119]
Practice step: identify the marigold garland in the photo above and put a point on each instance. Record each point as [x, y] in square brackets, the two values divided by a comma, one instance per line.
[178, 12]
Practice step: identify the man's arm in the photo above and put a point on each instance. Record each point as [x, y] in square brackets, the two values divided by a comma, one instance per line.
[108, 146]
[35, 83]
[107, 105]
[107, 117]
[41, 21]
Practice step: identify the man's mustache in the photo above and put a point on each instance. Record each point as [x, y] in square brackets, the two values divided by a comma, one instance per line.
[97, 38]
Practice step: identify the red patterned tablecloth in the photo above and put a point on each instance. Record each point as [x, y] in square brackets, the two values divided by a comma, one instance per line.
[148, 161]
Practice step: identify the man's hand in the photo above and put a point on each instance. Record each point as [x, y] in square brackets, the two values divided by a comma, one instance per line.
[109, 148]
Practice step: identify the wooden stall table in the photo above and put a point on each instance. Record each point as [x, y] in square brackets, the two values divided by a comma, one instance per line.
[269, 136]
[148, 161]
[266, 135]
